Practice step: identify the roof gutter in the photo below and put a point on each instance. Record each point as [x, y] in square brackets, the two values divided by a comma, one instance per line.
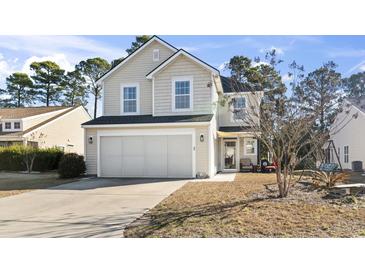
[182, 124]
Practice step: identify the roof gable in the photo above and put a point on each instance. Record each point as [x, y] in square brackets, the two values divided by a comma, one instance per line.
[24, 112]
[134, 53]
[173, 57]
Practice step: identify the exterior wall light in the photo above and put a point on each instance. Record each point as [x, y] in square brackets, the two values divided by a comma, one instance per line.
[201, 137]
[90, 139]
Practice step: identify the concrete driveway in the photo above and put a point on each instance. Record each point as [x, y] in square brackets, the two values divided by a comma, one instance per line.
[88, 208]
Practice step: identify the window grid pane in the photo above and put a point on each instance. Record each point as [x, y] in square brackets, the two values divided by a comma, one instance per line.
[130, 106]
[182, 94]
[129, 99]
[130, 93]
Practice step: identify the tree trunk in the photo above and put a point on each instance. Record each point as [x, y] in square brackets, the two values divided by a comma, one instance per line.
[95, 104]
[18, 99]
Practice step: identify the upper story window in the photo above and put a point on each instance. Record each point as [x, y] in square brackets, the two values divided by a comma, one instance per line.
[182, 94]
[16, 125]
[156, 55]
[238, 107]
[346, 154]
[130, 99]
[7, 125]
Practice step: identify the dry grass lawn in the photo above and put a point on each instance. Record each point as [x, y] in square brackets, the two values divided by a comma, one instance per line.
[12, 183]
[244, 208]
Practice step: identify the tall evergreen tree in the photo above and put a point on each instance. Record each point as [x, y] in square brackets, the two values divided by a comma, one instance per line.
[75, 89]
[20, 87]
[140, 40]
[354, 86]
[48, 79]
[92, 70]
[321, 89]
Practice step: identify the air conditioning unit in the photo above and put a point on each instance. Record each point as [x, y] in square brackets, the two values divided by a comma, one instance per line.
[357, 166]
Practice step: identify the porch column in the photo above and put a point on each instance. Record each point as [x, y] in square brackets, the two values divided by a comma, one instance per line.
[258, 153]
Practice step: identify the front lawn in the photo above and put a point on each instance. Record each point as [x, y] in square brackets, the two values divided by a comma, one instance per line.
[245, 208]
[12, 183]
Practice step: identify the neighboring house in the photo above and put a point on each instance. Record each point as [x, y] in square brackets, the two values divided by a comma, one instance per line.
[44, 127]
[347, 133]
[162, 118]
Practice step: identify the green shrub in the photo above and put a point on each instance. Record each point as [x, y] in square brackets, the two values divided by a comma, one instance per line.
[12, 158]
[71, 165]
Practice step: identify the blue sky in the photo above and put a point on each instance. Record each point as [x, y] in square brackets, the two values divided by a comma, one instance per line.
[17, 52]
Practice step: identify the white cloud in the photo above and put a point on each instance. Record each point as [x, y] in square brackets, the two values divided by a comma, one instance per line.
[255, 64]
[58, 58]
[286, 78]
[362, 67]
[222, 66]
[279, 51]
[359, 66]
[6, 68]
[73, 46]
[346, 53]
[189, 49]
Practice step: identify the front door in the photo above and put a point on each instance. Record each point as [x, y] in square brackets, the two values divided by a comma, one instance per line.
[229, 155]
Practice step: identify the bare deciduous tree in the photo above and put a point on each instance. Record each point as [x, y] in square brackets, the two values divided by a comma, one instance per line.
[288, 132]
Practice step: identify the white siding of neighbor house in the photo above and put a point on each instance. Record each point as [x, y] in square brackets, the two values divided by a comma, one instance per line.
[134, 71]
[202, 92]
[225, 113]
[63, 131]
[202, 154]
[351, 135]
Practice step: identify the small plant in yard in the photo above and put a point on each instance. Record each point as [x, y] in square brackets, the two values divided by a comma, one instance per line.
[71, 165]
[329, 179]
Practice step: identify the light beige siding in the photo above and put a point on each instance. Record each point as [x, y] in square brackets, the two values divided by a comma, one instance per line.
[91, 151]
[134, 71]
[64, 131]
[225, 115]
[202, 92]
[202, 154]
[252, 157]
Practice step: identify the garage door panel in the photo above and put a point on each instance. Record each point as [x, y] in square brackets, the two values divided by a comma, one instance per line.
[179, 156]
[111, 162]
[156, 156]
[133, 156]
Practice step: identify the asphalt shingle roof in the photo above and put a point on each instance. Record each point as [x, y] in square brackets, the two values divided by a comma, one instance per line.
[18, 113]
[148, 119]
[235, 129]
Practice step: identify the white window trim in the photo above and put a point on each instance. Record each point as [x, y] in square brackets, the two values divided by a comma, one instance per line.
[5, 129]
[153, 55]
[122, 98]
[20, 125]
[232, 107]
[237, 155]
[182, 78]
[346, 156]
[245, 148]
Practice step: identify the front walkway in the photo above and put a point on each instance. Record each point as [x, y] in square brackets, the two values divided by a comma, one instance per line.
[89, 208]
[220, 177]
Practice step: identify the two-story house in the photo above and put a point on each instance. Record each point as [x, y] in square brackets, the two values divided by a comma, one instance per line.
[346, 134]
[55, 126]
[161, 118]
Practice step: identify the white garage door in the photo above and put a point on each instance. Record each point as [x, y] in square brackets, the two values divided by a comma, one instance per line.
[146, 156]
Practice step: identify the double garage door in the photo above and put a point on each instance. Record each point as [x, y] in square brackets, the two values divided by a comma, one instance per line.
[168, 156]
